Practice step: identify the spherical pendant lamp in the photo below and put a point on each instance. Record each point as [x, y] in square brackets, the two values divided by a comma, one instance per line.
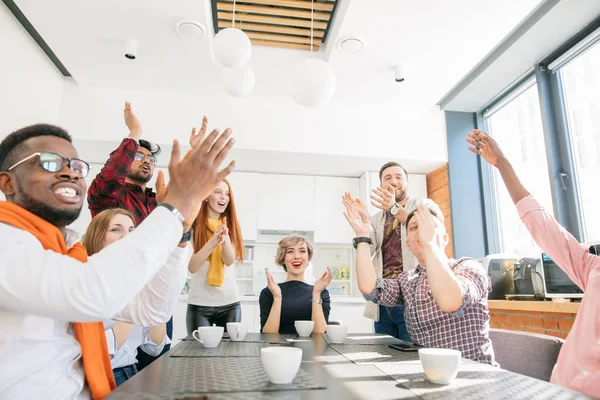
[238, 82]
[232, 48]
[313, 82]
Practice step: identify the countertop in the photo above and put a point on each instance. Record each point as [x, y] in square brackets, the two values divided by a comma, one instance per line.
[334, 299]
[541, 306]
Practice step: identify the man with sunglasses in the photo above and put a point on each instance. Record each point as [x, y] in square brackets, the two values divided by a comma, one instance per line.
[122, 181]
[52, 294]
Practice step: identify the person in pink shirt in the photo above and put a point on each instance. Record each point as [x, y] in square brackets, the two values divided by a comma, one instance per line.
[578, 364]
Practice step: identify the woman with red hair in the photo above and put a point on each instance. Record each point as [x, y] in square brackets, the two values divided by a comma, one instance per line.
[213, 297]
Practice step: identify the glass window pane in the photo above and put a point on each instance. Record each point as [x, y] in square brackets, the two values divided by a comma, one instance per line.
[517, 127]
[581, 84]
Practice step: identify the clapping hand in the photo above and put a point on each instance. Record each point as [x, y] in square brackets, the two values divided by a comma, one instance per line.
[361, 227]
[272, 285]
[427, 225]
[357, 205]
[132, 122]
[323, 282]
[384, 199]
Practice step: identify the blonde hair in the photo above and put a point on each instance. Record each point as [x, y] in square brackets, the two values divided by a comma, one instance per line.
[96, 231]
[288, 241]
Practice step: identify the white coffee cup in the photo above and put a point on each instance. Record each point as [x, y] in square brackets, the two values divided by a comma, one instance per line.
[209, 336]
[337, 333]
[237, 330]
[304, 328]
[281, 364]
[440, 365]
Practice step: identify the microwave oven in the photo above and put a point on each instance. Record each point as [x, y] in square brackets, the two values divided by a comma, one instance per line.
[556, 282]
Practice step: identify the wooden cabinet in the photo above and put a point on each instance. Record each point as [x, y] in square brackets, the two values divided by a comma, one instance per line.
[330, 224]
[286, 202]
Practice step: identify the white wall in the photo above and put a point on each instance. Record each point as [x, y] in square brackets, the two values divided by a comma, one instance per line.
[30, 85]
[260, 123]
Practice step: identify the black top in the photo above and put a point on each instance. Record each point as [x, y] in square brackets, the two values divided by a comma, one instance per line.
[296, 305]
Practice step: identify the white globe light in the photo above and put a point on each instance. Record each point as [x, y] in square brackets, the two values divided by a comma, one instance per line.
[238, 82]
[232, 48]
[313, 82]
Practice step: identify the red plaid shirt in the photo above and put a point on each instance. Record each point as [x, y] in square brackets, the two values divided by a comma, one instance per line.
[466, 329]
[109, 189]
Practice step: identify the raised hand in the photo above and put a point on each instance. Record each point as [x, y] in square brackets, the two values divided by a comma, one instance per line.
[218, 236]
[384, 199]
[485, 146]
[197, 137]
[272, 285]
[161, 188]
[357, 204]
[323, 281]
[427, 226]
[196, 177]
[360, 227]
[132, 122]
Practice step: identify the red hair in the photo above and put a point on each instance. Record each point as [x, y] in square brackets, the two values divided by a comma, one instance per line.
[235, 232]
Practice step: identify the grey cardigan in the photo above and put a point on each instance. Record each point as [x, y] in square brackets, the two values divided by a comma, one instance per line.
[408, 259]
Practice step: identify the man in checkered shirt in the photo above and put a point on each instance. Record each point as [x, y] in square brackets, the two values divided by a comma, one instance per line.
[445, 300]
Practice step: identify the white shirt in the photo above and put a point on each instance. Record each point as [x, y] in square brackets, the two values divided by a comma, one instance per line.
[136, 279]
[203, 294]
[127, 354]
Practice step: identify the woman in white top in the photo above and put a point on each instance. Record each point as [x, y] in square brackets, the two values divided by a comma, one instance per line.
[123, 338]
[213, 296]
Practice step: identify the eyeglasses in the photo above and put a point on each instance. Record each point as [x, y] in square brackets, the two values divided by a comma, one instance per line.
[53, 162]
[139, 156]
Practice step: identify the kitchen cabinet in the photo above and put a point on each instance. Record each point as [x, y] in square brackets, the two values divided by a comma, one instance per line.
[330, 224]
[286, 202]
[244, 186]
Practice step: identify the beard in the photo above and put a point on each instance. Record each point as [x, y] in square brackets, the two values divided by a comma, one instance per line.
[57, 217]
[401, 196]
[139, 176]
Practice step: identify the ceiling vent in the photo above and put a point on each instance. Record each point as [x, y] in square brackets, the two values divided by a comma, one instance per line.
[277, 23]
[190, 29]
[351, 45]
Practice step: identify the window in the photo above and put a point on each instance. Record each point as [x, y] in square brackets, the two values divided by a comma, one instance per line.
[517, 127]
[581, 86]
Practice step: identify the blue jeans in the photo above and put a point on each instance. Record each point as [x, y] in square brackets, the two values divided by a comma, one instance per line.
[391, 322]
[122, 374]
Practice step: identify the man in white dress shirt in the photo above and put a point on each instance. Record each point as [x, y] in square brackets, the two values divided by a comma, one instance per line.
[42, 292]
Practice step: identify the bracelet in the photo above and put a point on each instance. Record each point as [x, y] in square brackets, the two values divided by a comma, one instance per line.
[175, 211]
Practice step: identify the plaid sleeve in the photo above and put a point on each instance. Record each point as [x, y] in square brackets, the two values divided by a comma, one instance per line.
[474, 282]
[104, 188]
[387, 292]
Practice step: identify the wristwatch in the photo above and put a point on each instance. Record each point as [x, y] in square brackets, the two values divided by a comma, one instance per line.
[175, 211]
[319, 301]
[186, 237]
[395, 208]
[362, 239]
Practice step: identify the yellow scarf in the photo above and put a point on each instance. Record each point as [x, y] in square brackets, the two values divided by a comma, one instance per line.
[216, 269]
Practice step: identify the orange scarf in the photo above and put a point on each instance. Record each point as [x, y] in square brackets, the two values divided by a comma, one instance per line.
[90, 335]
[216, 269]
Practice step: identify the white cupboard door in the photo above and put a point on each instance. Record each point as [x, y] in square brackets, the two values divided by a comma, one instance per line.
[286, 202]
[248, 315]
[330, 224]
[244, 186]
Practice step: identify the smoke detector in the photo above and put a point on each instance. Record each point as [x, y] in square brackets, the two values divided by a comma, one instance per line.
[190, 29]
[351, 44]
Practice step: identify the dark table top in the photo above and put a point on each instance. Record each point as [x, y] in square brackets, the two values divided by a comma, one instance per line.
[343, 371]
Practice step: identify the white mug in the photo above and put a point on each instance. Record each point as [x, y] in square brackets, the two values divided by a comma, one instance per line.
[237, 330]
[209, 336]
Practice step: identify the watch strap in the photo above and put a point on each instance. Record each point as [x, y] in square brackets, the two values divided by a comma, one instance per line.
[361, 239]
[175, 211]
[318, 301]
[186, 237]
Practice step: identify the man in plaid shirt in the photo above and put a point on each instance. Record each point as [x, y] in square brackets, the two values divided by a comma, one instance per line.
[121, 183]
[445, 300]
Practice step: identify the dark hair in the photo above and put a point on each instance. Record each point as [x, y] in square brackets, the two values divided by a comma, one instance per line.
[14, 144]
[151, 147]
[392, 164]
[433, 208]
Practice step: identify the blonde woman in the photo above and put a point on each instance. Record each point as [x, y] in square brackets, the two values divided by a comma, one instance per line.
[123, 338]
[294, 300]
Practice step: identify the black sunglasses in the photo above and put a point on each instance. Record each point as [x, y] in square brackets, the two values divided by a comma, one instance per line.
[53, 162]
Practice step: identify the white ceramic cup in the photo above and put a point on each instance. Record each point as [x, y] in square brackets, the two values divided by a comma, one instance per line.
[281, 364]
[304, 328]
[209, 336]
[440, 365]
[237, 331]
[337, 333]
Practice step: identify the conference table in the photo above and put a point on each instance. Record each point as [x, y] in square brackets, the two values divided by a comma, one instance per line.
[363, 367]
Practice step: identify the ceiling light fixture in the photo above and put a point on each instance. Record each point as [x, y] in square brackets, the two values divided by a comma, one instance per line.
[231, 46]
[190, 29]
[351, 44]
[314, 81]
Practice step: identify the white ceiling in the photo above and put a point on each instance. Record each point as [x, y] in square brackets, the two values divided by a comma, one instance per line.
[440, 39]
